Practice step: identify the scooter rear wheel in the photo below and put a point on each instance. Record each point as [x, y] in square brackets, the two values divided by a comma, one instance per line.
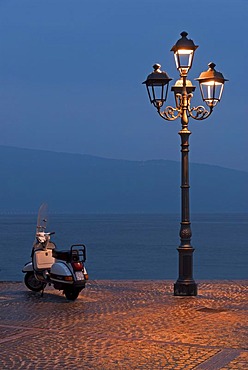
[32, 283]
[72, 293]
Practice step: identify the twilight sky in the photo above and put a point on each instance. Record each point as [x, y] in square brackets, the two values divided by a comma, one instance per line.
[71, 74]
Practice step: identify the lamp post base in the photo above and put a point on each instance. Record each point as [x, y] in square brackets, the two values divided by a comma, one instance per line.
[182, 288]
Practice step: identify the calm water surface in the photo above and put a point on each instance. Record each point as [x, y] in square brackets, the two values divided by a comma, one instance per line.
[133, 246]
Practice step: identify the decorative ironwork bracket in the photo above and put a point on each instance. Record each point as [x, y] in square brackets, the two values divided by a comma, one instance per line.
[199, 113]
[170, 113]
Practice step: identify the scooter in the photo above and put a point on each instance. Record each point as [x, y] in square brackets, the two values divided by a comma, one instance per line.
[64, 270]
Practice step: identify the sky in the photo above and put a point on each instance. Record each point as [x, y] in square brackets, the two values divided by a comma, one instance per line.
[71, 74]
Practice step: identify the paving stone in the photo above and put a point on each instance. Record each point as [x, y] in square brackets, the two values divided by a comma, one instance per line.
[125, 325]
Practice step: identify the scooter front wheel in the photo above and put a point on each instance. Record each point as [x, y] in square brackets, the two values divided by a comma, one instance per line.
[32, 283]
[72, 293]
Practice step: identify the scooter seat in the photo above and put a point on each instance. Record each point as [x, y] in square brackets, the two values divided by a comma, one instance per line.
[62, 255]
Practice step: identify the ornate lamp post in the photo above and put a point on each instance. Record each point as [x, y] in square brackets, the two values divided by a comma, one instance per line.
[211, 87]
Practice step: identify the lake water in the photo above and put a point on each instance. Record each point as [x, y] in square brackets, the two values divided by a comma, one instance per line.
[141, 246]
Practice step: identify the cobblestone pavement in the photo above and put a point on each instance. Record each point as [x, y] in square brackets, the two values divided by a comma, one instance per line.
[125, 325]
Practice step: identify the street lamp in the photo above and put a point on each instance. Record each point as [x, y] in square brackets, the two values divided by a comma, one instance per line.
[211, 86]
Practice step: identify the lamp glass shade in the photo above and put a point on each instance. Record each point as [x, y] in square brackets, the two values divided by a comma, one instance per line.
[157, 84]
[211, 92]
[157, 94]
[184, 50]
[211, 85]
[183, 60]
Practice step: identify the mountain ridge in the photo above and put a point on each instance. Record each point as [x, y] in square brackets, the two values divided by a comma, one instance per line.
[91, 156]
[71, 182]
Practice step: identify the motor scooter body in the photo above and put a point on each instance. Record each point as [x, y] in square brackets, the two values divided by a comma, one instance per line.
[68, 268]
[64, 270]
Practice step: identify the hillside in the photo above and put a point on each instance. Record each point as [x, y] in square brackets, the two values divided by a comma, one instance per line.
[88, 184]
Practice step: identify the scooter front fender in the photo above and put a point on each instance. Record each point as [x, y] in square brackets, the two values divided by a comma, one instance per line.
[28, 267]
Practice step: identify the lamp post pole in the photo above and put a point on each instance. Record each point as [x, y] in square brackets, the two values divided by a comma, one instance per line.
[211, 86]
[185, 284]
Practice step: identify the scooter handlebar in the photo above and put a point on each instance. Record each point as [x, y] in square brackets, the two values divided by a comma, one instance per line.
[44, 237]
